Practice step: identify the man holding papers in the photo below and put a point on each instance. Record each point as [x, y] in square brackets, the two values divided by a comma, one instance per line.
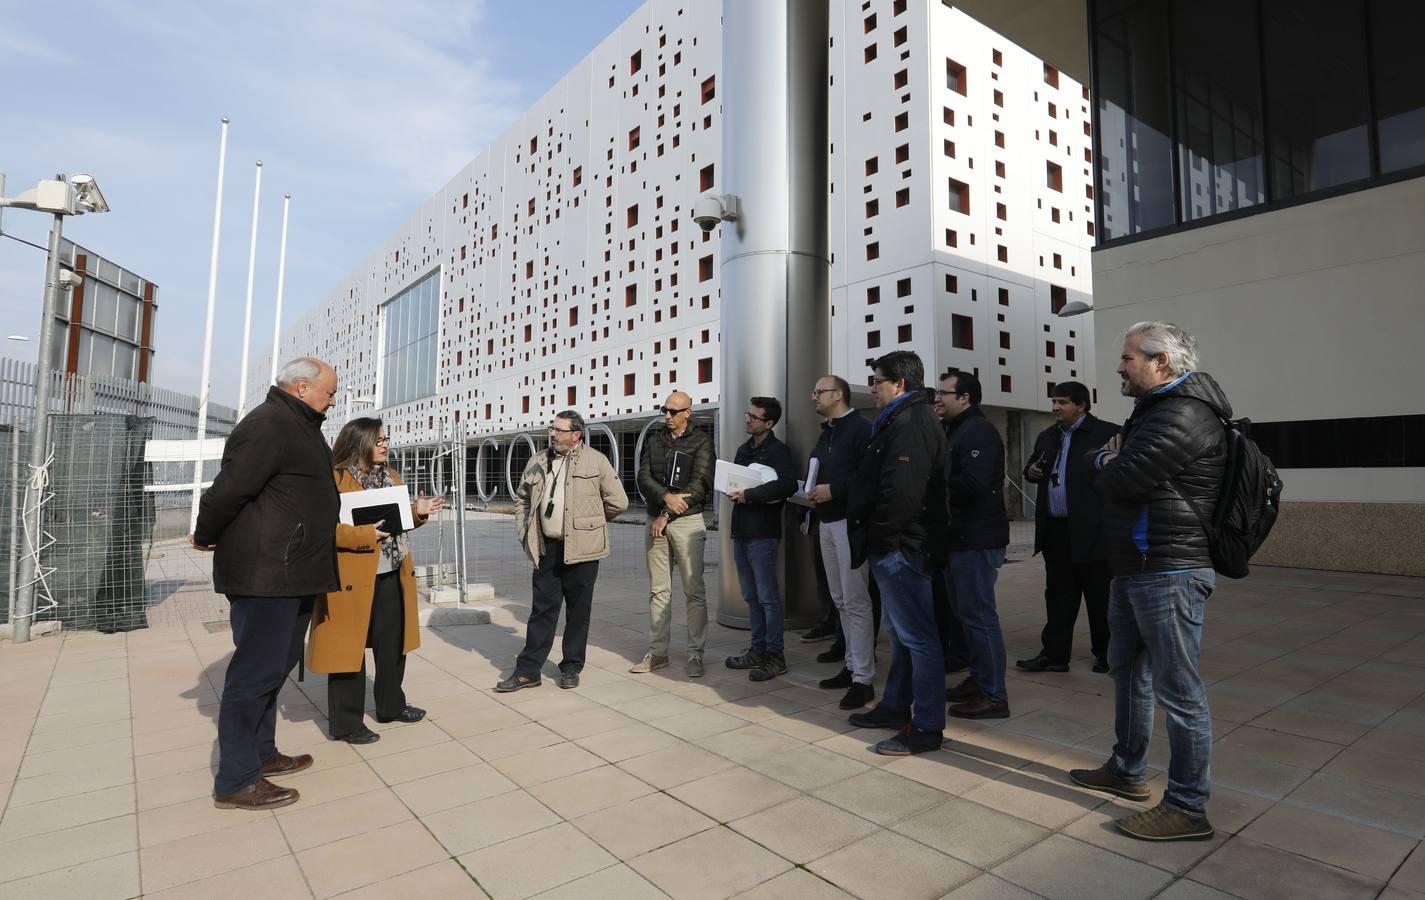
[675, 477]
[756, 536]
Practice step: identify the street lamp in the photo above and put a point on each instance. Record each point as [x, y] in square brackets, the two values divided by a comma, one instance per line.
[1074, 308]
[58, 197]
[351, 400]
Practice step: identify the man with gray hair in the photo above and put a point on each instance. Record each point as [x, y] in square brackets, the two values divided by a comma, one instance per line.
[270, 516]
[1160, 480]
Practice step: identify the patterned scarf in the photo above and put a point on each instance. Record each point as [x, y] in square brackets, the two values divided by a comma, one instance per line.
[398, 546]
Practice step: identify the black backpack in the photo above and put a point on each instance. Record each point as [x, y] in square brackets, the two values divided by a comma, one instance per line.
[1247, 504]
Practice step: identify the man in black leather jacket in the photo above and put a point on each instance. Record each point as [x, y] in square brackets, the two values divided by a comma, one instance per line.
[896, 519]
[271, 517]
[1169, 458]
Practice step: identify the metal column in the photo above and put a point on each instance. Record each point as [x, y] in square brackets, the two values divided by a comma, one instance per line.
[774, 262]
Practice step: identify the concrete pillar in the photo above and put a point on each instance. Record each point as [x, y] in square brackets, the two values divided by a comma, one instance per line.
[775, 269]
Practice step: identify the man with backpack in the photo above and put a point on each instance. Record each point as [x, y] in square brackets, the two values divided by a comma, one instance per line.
[1161, 481]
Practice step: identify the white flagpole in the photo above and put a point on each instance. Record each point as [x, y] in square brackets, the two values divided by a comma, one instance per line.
[281, 279]
[247, 312]
[204, 389]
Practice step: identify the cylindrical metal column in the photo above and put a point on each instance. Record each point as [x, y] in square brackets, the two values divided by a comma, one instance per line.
[775, 268]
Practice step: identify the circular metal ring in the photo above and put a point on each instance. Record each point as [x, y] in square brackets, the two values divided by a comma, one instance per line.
[481, 463]
[613, 442]
[510, 458]
[638, 455]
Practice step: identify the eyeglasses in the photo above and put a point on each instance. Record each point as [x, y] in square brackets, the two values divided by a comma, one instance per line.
[950, 393]
[876, 379]
[553, 430]
[753, 418]
[817, 392]
[673, 410]
[383, 441]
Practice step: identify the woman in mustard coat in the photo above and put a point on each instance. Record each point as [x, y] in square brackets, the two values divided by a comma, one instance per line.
[376, 606]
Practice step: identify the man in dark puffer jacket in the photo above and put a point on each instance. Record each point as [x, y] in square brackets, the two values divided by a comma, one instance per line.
[1170, 457]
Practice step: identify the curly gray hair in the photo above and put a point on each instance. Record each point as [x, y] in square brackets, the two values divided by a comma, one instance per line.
[1166, 337]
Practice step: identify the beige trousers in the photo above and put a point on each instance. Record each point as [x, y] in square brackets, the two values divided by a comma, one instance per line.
[682, 544]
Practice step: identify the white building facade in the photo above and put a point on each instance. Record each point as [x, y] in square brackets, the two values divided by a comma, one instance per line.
[561, 268]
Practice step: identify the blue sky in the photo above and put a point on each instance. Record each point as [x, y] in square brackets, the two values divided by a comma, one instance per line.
[360, 109]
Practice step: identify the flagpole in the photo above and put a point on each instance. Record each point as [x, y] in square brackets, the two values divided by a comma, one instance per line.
[281, 279]
[204, 389]
[247, 311]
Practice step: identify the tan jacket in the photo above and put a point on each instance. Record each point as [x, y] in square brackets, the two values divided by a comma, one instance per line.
[593, 494]
[341, 619]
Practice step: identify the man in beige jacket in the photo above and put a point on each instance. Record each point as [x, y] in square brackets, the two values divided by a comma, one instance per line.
[565, 499]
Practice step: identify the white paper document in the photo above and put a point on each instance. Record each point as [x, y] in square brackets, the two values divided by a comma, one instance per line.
[729, 477]
[397, 496]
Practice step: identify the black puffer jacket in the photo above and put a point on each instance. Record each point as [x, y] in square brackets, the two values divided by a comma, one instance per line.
[974, 483]
[653, 468]
[897, 498]
[1173, 446]
[272, 509]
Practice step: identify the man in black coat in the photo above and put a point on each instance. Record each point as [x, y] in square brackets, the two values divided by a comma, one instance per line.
[896, 520]
[270, 517]
[757, 537]
[1160, 481]
[1068, 529]
[979, 534]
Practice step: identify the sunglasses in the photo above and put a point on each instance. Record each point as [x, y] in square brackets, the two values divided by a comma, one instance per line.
[673, 410]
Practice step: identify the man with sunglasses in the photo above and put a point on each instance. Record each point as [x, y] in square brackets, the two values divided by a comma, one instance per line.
[756, 539]
[675, 475]
[1068, 529]
[565, 499]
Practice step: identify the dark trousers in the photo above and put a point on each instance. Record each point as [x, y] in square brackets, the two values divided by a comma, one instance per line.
[268, 633]
[1064, 582]
[952, 631]
[386, 636]
[558, 584]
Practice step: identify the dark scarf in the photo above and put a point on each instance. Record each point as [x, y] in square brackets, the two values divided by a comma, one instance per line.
[398, 546]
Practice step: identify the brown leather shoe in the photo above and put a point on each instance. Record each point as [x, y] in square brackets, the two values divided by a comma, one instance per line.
[282, 764]
[981, 707]
[261, 794]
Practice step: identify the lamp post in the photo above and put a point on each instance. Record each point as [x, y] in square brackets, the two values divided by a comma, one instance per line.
[60, 198]
[351, 400]
[1074, 308]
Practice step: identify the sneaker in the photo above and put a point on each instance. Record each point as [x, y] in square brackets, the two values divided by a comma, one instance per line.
[981, 707]
[835, 653]
[1100, 665]
[649, 664]
[695, 667]
[773, 664]
[568, 680]
[749, 659]
[910, 740]
[819, 633]
[840, 680]
[880, 717]
[1104, 779]
[518, 683]
[1163, 823]
[965, 691]
[1041, 663]
[857, 696]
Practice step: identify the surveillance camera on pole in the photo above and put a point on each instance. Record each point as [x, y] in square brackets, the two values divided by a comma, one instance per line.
[711, 210]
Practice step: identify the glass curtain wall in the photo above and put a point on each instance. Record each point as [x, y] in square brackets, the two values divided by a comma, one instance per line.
[1212, 107]
[408, 360]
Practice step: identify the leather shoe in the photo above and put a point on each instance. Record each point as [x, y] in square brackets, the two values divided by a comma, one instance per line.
[362, 735]
[879, 717]
[409, 715]
[841, 679]
[1100, 665]
[857, 696]
[981, 707]
[261, 794]
[1041, 663]
[835, 653]
[968, 689]
[568, 680]
[517, 683]
[281, 764]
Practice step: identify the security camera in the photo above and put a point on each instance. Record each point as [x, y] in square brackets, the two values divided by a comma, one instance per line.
[711, 209]
[69, 280]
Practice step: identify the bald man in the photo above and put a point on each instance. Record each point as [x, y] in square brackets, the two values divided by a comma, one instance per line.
[675, 474]
[270, 517]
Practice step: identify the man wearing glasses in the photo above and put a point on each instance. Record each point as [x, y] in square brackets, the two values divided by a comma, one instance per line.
[896, 515]
[675, 477]
[756, 537]
[565, 499]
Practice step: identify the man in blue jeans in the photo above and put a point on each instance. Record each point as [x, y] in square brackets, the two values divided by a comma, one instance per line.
[756, 537]
[978, 536]
[895, 519]
[1159, 481]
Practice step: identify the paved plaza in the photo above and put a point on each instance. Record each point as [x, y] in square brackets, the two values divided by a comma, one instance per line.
[646, 786]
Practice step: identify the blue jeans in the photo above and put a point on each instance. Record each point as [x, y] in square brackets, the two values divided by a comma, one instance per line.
[1155, 632]
[971, 577]
[756, 560]
[915, 682]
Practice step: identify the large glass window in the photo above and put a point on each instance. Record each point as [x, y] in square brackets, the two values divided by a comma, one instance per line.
[1396, 31]
[408, 356]
[1211, 107]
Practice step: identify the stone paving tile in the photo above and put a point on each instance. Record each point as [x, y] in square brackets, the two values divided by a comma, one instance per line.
[783, 829]
[1060, 866]
[1250, 870]
[115, 877]
[204, 855]
[369, 857]
[637, 826]
[504, 817]
[713, 864]
[66, 812]
[566, 854]
[455, 788]
[280, 878]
